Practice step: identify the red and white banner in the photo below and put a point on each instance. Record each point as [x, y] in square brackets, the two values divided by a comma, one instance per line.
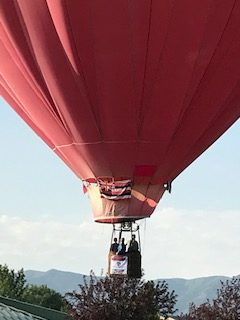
[115, 190]
[118, 265]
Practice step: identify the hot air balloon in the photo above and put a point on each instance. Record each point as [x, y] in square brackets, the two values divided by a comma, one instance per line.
[127, 93]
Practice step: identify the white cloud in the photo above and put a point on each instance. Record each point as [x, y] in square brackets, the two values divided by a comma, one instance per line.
[175, 244]
[192, 243]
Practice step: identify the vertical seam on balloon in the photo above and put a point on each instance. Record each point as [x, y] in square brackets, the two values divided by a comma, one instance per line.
[68, 162]
[63, 156]
[182, 112]
[217, 117]
[81, 71]
[204, 73]
[38, 92]
[73, 74]
[134, 101]
[158, 65]
[95, 69]
[200, 81]
[159, 60]
[97, 93]
[177, 172]
[130, 39]
[36, 129]
[140, 116]
[82, 156]
[58, 112]
[70, 65]
[146, 197]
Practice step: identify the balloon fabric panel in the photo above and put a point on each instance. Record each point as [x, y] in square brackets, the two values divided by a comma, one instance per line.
[126, 90]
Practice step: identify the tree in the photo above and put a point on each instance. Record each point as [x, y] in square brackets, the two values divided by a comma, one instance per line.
[204, 311]
[121, 298]
[12, 284]
[43, 296]
[225, 307]
[182, 316]
[227, 303]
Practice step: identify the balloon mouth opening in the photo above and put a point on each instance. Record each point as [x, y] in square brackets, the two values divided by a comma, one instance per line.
[117, 219]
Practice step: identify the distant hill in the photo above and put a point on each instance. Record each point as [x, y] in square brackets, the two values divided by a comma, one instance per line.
[195, 290]
[60, 281]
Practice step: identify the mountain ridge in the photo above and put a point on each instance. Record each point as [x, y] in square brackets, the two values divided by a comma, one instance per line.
[196, 290]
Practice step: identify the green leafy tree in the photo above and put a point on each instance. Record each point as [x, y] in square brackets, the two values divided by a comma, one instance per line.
[12, 284]
[121, 298]
[43, 296]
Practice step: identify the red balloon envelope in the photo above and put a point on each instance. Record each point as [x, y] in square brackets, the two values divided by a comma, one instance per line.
[126, 93]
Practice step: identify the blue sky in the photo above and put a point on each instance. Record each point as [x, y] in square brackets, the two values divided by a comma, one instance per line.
[38, 192]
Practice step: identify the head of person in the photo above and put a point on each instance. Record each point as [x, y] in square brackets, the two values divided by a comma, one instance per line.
[133, 237]
[115, 240]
